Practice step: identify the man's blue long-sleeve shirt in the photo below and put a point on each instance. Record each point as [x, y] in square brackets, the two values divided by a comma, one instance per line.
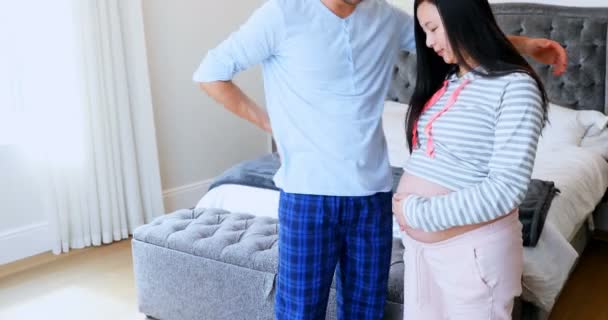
[325, 81]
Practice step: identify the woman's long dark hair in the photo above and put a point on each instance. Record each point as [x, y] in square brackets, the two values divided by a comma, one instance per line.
[471, 29]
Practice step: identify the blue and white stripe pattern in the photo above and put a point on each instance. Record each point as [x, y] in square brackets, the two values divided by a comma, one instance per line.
[485, 147]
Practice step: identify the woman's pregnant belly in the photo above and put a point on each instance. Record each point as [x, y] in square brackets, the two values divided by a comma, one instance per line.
[412, 184]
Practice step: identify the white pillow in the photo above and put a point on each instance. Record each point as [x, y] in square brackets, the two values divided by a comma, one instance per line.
[570, 127]
[393, 123]
[596, 138]
[595, 121]
[562, 129]
[597, 143]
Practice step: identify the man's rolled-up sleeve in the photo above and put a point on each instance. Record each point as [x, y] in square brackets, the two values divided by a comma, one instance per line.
[255, 41]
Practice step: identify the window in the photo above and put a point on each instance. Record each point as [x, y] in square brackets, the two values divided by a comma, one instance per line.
[37, 69]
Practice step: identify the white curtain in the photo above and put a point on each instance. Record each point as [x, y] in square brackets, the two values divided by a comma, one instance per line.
[75, 97]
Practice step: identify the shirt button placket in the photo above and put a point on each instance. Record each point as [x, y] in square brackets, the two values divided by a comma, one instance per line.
[349, 53]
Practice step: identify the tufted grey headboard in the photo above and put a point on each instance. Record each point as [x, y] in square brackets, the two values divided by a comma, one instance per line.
[582, 31]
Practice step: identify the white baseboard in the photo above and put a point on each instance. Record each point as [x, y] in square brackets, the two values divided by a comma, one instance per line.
[186, 196]
[24, 242]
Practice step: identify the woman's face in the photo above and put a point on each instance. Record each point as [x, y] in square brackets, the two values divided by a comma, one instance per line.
[436, 38]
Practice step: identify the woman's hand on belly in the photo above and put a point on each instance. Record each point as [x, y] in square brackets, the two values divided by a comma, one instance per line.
[398, 199]
[413, 185]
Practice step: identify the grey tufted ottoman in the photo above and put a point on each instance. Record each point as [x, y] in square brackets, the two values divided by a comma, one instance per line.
[212, 264]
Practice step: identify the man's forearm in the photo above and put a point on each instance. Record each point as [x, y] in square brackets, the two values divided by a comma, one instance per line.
[519, 43]
[543, 51]
[237, 102]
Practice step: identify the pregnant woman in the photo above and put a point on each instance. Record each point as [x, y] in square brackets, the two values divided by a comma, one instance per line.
[473, 126]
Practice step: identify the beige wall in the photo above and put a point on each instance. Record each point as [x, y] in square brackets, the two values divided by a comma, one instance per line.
[197, 138]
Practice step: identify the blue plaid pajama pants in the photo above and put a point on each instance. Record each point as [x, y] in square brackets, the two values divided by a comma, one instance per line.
[318, 233]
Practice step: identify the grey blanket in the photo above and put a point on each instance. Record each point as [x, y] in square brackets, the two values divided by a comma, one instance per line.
[259, 172]
[253, 173]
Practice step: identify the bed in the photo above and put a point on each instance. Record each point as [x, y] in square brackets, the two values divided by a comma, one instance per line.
[579, 168]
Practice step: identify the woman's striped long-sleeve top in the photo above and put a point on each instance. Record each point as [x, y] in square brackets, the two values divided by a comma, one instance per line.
[484, 150]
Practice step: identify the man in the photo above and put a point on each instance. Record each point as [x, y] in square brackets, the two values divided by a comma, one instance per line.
[327, 65]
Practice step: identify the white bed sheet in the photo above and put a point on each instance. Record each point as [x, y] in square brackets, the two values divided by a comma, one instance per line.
[581, 175]
[237, 198]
